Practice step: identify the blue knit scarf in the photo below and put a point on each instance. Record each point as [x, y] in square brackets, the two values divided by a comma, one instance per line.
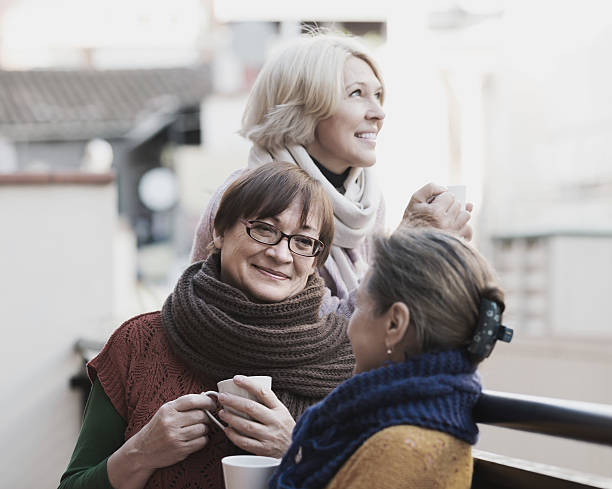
[434, 390]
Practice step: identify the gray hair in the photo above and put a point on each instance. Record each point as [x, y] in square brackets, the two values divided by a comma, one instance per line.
[441, 279]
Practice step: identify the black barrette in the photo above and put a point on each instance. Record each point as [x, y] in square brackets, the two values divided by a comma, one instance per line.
[488, 330]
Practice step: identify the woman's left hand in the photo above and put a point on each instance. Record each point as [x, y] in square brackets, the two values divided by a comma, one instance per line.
[268, 433]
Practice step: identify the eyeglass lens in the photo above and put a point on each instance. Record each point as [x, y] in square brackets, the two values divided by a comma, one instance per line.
[268, 234]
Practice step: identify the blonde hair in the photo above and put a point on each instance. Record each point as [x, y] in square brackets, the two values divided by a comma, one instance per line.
[299, 87]
[441, 279]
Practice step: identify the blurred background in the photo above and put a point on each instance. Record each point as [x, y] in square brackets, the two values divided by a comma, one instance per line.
[118, 120]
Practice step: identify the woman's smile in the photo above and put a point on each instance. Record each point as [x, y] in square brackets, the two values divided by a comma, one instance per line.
[367, 137]
[274, 274]
[348, 138]
[268, 273]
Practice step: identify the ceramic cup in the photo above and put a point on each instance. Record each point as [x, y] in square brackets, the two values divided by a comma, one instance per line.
[459, 191]
[228, 387]
[248, 471]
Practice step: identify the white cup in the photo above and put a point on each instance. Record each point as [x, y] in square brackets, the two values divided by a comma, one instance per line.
[459, 191]
[248, 471]
[228, 387]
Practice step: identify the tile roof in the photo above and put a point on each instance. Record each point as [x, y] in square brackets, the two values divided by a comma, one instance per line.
[49, 105]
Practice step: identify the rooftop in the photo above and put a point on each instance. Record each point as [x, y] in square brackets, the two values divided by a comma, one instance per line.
[47, 105]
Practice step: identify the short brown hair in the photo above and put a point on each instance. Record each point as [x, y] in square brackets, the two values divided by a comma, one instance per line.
[441, 279]
[267, 191]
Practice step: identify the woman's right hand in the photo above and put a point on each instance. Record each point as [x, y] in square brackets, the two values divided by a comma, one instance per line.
[178, 429]
[268, 432]
[433, 205]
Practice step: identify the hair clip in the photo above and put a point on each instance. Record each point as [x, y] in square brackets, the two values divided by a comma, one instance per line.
[488, 330]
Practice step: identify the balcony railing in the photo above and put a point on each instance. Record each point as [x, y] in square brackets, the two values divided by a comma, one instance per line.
[587, 422]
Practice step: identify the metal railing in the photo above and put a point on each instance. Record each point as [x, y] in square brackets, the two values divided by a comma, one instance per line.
[581, 421]
[86, 349]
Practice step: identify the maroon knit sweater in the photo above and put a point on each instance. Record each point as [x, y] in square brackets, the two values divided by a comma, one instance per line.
[139, 373]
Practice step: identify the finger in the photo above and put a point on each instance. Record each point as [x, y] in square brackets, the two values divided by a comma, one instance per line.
[193, 401]
[193, 431]
[249, 407]
[455, 214]
[248, 427]
[444, 200]
[466, 232]
[188, 418]
[264, 396]
[427, 192]
[251, 445]
[469, 207]
[195, 444]
[461, 219]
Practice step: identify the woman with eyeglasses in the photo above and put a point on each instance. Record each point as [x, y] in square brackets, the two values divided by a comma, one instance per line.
[251, 308]
[318, 103]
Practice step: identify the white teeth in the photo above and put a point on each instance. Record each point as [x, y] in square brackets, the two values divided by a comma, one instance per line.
[366, 135]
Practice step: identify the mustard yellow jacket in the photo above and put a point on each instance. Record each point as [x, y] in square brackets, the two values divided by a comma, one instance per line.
[407, 457]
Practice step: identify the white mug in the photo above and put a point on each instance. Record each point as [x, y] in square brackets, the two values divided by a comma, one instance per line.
[228, 387]
[248, 471]
[459, 191]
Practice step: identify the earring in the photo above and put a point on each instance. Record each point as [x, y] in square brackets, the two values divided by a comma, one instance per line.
[389, 351]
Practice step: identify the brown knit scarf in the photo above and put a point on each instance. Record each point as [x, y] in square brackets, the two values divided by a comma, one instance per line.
[219, 332]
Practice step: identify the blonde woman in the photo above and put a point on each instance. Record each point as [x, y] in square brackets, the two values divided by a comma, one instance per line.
[405, 419]
[319, 104]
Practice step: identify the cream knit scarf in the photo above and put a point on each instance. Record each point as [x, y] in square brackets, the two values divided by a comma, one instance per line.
[219, 332]
[354, 211]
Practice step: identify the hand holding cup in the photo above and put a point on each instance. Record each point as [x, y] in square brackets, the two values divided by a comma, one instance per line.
[434, 205]
[228, 386]
[263, 425]
[178, 429]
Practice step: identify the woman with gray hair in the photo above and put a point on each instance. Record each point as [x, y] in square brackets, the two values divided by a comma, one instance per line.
[428, 312]
[318, 104]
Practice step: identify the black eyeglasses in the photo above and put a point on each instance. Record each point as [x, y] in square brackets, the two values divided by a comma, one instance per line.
[300, 244]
